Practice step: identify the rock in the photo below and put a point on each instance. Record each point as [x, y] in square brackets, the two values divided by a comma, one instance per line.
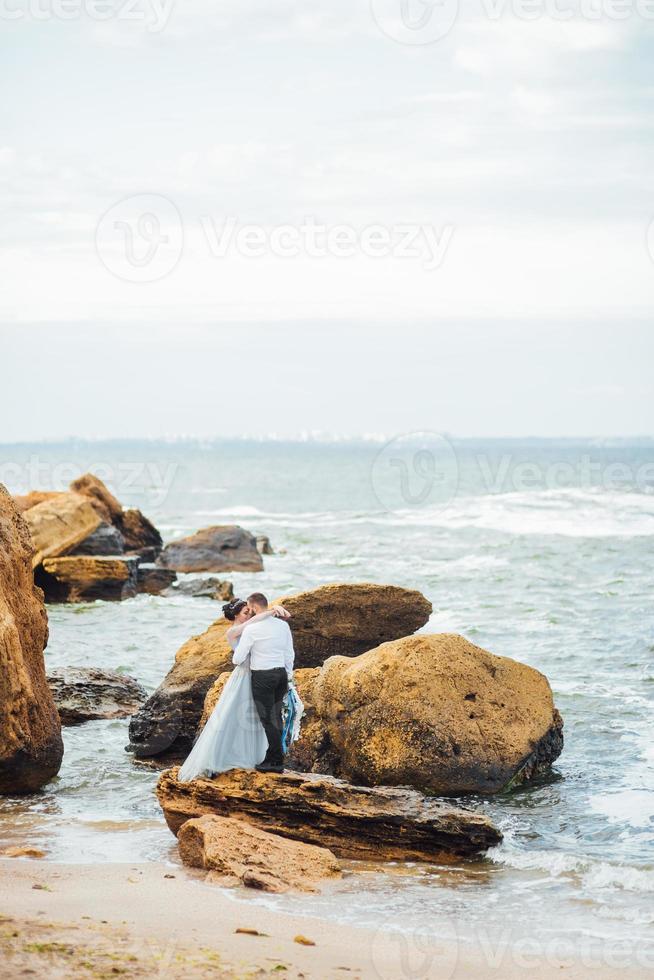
[104, 502]
[264, 546]
[205, 588]
[224, 548]
[348, 619]
[105, 540]
[140, 535]
[381, 824]
[31, 748]
[25, 501]
[431, 711]
[59, 524]
[168, 721]
[154, 580]
[16, 851]
[235, 849]
[81, 578]
[87, 693]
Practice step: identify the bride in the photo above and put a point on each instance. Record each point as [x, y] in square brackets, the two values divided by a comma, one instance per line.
[233, 737]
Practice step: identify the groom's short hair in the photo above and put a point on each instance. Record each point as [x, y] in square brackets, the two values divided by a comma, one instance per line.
[258, 599]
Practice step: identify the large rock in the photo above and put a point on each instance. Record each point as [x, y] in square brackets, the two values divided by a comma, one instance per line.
[203, 588]
[352, 821]
[104, 502]
[26, 501]
[82, 578]
[431, 711]
[238, 852]
[154, 580]
[140, 535]
[60, 523]
[105, 540]
[169, 719]
[31, 748]
[87, 694]
[345, 620]
[224, 548]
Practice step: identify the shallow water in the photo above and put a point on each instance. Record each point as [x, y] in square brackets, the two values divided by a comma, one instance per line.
[551, 565]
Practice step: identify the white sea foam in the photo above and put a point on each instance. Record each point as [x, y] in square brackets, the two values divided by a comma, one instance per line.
[630, 806]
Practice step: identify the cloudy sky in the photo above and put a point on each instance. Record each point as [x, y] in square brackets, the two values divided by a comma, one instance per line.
[331, 165]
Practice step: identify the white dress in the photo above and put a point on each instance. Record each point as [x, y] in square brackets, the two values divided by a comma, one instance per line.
[233, 737]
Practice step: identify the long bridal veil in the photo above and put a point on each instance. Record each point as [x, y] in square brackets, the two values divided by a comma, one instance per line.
[233, 737]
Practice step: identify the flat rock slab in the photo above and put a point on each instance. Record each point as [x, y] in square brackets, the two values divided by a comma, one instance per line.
[203, 588]
[222, 548]
[381, 823]
[77, 578]
[60, 523]
[236, 852]
[87, 694]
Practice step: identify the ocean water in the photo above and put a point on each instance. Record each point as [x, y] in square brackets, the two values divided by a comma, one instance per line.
[537, 550]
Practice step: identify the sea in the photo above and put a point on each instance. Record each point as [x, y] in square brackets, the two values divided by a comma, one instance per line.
[540, 550]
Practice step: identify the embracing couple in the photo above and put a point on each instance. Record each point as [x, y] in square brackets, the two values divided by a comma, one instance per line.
[257, 715]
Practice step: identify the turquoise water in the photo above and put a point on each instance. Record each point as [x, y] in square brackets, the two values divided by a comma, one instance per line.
[538, 550]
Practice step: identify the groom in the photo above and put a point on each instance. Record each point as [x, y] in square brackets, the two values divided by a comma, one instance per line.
[269, 644]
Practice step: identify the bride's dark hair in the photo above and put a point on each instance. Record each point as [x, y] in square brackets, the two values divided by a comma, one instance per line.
[233, 608]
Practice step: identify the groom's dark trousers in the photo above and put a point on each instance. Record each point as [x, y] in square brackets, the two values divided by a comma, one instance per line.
[268, 690]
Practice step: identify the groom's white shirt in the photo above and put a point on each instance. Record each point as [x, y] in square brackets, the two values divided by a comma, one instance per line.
[269, 644]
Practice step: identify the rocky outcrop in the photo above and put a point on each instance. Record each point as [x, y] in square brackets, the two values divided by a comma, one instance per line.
[59, 524]
[26, 501]
[154, 580]
[31, 748]
[431, 711]
[83, 578]
[346, 620]
[224, 548]
[169, 719]
[236, 852]
[86, 694]
[204, 588]
[380, 824]
[140, 535]
[105, 504]
[106, 540]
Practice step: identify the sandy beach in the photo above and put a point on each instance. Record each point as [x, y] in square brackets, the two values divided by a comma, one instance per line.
[161, 920]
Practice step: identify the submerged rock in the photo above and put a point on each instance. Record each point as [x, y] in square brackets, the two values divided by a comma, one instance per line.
[87, 693]
[204, 588]
[82, 578]
[431, 711]
[239, 852]
[31, 748]
[60, 523]
[264, 546]
[224, 548]
[324, 621]
[382, 824]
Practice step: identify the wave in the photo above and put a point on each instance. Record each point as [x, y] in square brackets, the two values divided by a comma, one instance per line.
[576, 513]
[593, 877]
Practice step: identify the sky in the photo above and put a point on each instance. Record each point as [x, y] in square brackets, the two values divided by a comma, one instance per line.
[372, 188]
